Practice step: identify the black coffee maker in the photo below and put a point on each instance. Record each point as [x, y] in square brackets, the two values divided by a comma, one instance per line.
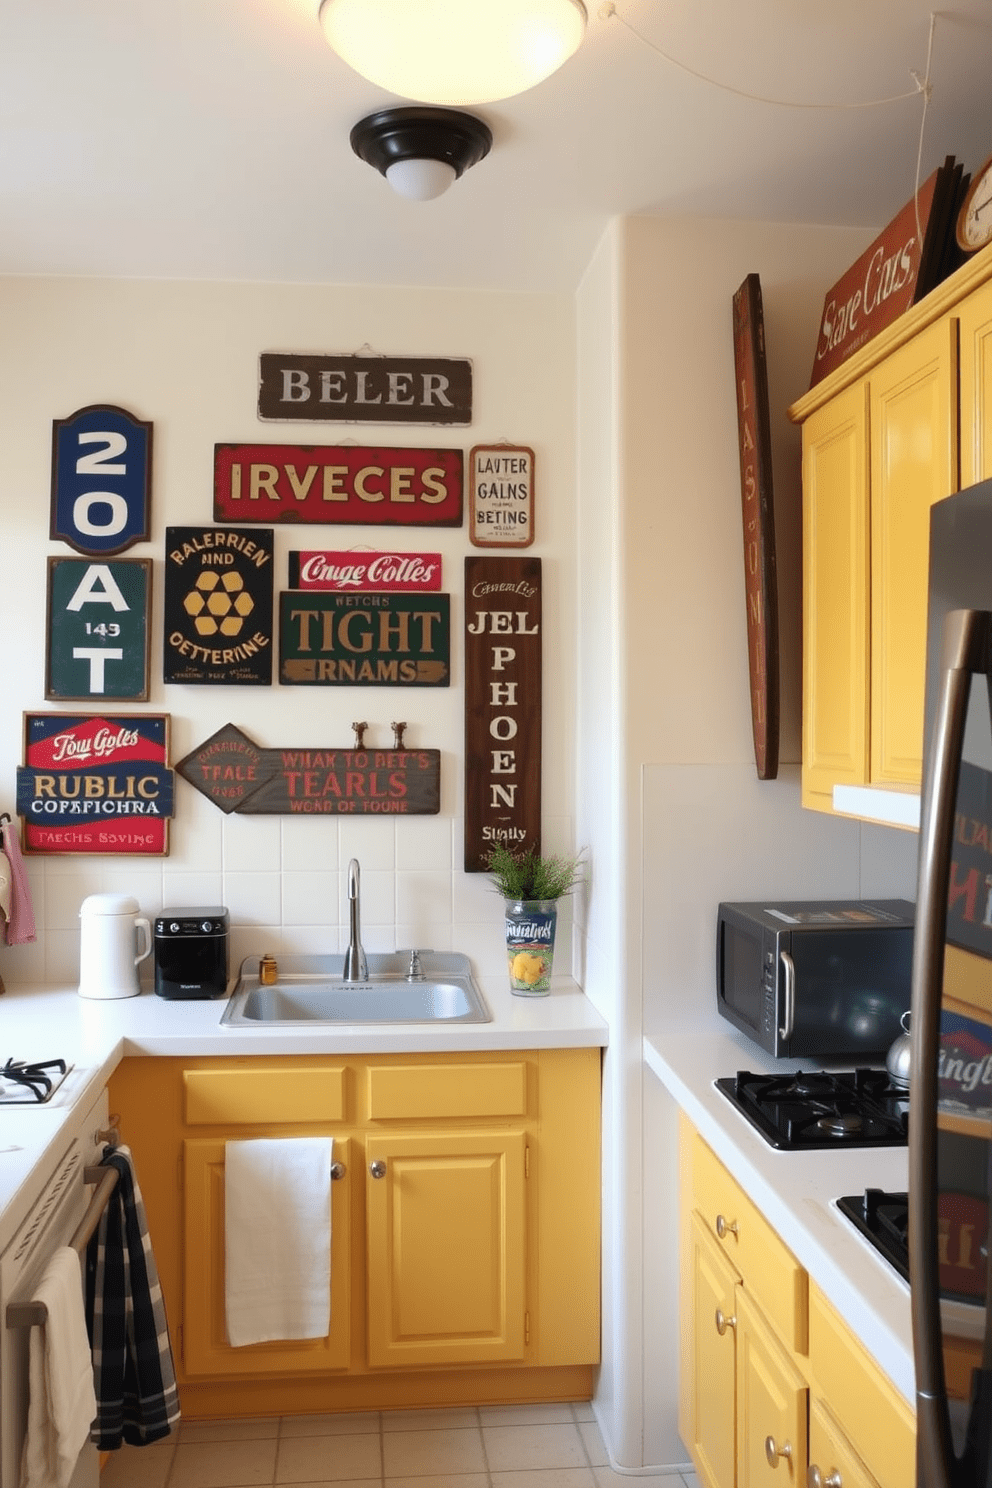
[191, 952]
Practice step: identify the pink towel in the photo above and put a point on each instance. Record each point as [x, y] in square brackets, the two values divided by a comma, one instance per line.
[20, 926]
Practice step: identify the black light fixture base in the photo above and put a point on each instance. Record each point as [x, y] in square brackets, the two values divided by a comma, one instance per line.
[418, 133]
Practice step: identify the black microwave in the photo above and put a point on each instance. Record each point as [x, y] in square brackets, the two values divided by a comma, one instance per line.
[818, 980]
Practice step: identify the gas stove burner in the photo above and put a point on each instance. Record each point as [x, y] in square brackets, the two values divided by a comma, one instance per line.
[883, 1219]
[820, 1108]
[841, 1123]
[30, 1084]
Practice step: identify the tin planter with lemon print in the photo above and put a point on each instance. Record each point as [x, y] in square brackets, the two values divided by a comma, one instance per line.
[530, 945]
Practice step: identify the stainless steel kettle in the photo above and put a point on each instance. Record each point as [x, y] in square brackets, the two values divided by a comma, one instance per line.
[897, 1059]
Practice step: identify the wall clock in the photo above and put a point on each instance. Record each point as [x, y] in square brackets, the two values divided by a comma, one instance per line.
[974, 225]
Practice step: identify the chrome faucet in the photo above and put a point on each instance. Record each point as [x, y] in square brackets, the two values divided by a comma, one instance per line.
[356, 966]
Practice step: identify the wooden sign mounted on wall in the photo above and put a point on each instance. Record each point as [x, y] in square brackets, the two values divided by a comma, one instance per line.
[101, 479]
[501, 496]
[237, 775]
[348, 389]
[98, 628]
[339, 484]
[502, 706]
[364, 640]
[355, 569]
[218, 606]
[96, 783]
[760, 574]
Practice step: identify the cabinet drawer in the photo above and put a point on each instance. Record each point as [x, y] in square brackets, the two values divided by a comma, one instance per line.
[275, 1097]
[769, 1270]
[879, 1423]
[832, 1454]
[452, 1090]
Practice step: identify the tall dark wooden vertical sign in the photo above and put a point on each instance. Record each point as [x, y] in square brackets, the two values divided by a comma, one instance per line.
[760, 583]
[502, 706]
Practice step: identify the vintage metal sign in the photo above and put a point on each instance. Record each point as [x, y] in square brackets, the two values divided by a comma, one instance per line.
[357, 568]
[364, 389]
[340, 484]
[218, 606]
[95, 783]
[381, 640]
[98, 628]
[101, 479]
[501, 509]
[760, 583]
[238, 776]
[892, 274]
[502, 706]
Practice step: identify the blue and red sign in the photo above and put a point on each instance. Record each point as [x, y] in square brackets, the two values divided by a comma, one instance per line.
[101, 480]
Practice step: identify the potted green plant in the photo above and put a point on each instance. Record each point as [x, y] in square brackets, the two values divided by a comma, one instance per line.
[531, 885]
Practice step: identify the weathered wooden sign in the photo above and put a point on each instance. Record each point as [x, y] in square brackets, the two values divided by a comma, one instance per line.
[101, 479]
[98, 630]
[357, 568]
[238, 776]
[218, 606]
[501, 490]
[892, 274]
[502, 706]
[349, 389]
[760, 582]
[340, 484]
[381, 640]
[96, 783]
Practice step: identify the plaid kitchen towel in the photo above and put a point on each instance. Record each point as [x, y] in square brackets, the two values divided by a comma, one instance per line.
[133, 1372]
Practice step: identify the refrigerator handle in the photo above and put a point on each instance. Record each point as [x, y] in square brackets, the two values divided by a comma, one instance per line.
[964, 652]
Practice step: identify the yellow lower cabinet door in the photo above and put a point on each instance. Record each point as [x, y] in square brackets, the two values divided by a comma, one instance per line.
[447, 1235]
[713, 1281]
[772, 1399]
[206, 1351]
[833, 1462]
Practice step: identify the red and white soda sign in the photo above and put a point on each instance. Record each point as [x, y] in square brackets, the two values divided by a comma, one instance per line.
[376, 573]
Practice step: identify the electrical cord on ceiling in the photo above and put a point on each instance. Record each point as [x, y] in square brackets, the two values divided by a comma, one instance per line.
[608, 11]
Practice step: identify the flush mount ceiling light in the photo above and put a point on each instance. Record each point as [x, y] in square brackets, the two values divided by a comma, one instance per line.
[454, 51]
[420, 151]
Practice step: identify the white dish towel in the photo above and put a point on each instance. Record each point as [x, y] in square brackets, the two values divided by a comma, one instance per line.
[277, 1238]
[62, 1403]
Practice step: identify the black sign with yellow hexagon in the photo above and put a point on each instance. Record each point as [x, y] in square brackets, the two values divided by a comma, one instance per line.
[218, 605]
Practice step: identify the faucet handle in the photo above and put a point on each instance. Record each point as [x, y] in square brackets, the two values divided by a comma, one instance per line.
[415, 974]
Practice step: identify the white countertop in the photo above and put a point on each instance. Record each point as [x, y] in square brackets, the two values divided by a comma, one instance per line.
[796, 1191]
[93, 1036]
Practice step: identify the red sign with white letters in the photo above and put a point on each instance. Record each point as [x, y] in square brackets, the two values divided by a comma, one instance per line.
[359, 569]
[338, 483]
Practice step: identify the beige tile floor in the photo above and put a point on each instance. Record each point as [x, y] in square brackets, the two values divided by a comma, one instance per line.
[528, 1446]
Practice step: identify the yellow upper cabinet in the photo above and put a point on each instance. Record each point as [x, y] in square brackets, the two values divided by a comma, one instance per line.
[904, 423]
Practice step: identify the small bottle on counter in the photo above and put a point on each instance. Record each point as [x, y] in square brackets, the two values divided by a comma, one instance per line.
[268, 971]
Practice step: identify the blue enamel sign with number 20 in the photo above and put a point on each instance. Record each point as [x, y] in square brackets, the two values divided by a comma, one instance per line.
[101, 479]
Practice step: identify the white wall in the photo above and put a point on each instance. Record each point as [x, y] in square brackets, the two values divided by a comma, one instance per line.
[186, 356]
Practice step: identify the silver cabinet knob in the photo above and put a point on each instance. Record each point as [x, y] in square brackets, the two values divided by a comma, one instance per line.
[774, 1452]
[723, 1322]
[725, 1227]
[338, 1170]
[815, 1478]
[377, 1168]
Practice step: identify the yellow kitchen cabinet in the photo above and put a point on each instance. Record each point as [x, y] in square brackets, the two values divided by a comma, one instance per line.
[975, 353]
[876, 456]
[709, 1426]
[465, 1223]
[773, 1383]
[772, 1404]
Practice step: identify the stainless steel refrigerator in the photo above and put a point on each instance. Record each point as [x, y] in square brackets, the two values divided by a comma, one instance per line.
[950, 1123]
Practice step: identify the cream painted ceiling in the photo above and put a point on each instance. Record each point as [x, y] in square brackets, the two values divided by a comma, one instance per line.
[209, 138]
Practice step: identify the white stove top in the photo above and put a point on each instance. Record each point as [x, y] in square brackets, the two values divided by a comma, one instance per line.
[39, 1082]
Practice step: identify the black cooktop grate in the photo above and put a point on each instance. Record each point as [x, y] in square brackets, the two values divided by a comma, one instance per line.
[883, 1218]
[852, 1108]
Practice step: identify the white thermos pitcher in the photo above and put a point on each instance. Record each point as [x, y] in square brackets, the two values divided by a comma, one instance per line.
[109, 932]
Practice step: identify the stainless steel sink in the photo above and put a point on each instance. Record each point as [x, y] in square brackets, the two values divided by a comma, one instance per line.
[311, 989]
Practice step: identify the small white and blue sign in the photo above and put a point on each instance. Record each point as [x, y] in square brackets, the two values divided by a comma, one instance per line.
[101, 480]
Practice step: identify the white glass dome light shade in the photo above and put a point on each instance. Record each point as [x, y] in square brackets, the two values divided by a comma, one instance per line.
[420, 180]
[454, 51]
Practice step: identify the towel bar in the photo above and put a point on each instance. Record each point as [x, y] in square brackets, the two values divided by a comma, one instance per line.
[33, 1314]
